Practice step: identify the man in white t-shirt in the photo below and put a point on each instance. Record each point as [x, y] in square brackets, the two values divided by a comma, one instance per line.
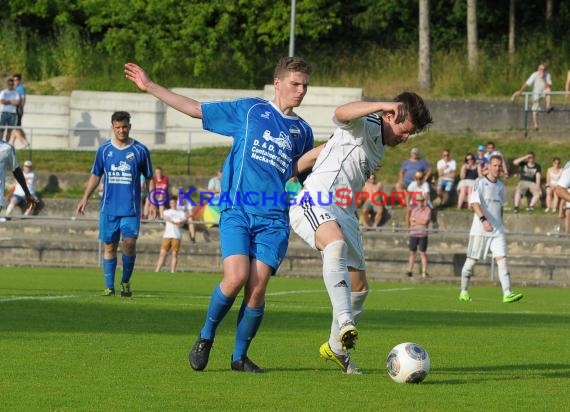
[541, 83]
[9, 102]
[419, 185]
[174, 219]
[323, 213]
[8, 161]
[487, 230]
[446, 169]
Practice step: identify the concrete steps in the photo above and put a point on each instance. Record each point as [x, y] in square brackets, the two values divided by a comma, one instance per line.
[534, 258]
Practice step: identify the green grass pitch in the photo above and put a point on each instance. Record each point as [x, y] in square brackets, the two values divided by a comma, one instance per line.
[65, 348]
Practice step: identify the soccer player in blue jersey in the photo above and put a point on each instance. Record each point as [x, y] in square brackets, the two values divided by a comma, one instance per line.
[268, 139]
[122, 160]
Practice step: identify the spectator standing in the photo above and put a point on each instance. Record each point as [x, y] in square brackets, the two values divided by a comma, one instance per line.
[467, 175]
[372, 213]
[409, 168]
[9, 102]
[529, 181]
[122, 160]
[541, 83]
[162, 182]
[9, 161]
[446, 169]
[21, 89]
[487, 231]
[19, 195]
[419, 185]
[254, 238]
[18, 139]
[174, 219]
[418, 221]
[552, 176]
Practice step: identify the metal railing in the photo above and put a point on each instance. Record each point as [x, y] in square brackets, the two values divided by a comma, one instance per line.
[98, 136]
[528, 102]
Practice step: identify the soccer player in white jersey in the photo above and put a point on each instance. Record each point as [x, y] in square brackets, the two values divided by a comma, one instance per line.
[347, 160]
[268, 140]
[487, 230]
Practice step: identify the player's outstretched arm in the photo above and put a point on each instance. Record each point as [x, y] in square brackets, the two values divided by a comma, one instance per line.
[354, 110]
[141, 79]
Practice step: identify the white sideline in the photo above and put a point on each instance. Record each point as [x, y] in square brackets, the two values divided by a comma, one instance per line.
[37, 297]
[294, 292]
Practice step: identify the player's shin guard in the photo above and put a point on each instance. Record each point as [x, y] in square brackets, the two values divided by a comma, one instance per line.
[109, 269]
[128, 267]
[219, 306]
[466, 272]
[337, 280]
[504, 275]
[357, 299]
[247, 327]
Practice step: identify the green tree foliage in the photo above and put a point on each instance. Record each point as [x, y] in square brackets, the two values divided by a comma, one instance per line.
[235, 43]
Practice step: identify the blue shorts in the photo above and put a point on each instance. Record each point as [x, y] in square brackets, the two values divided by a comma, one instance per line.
[446, 185]
[258, 237]
[112, 227]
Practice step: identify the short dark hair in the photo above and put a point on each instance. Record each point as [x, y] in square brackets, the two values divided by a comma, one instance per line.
[17, 76]
[292, 64]
[120, 116]
[419, 113]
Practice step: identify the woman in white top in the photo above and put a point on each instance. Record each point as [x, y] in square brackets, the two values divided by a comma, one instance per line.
[552, 175]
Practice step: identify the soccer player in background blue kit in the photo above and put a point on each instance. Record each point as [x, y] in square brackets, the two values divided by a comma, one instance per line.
[268, 139]
[122, 160]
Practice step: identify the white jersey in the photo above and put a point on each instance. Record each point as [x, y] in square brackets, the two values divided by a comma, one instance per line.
[564, 179]
[31, 183]
[490, 196]
[172, 230]
[343, 166]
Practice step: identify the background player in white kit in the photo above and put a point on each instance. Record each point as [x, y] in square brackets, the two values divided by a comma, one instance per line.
[347, 160]
[487, 230]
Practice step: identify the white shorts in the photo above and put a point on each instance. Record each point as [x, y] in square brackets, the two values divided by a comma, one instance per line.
[305, 220]
[479, 246]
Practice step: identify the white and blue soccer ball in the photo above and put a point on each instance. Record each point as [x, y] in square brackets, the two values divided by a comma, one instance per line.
[408, 363]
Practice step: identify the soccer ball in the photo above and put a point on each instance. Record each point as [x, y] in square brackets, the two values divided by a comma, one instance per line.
[408, 363]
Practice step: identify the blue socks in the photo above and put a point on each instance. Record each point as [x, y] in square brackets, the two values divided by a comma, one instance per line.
[128, 267]
[219, 306]
[109, 269]
[249, 320]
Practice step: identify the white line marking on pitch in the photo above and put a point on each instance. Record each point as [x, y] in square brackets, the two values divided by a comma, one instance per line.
[296, 292]
[15, 298]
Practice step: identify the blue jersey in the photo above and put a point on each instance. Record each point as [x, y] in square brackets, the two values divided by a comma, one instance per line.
[266, 145]
[122, 169]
